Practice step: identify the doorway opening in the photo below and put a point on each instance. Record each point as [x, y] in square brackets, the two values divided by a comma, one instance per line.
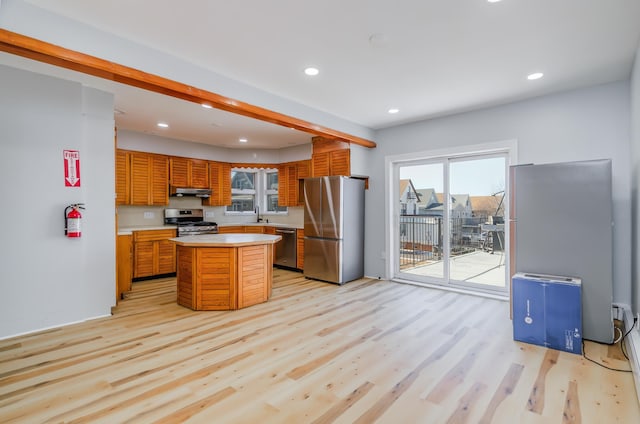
[448, 227]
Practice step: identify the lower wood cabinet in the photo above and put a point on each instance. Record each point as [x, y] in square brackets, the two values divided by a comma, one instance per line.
[153, 253]
[300, 248]
[124, 260]
[231, 229]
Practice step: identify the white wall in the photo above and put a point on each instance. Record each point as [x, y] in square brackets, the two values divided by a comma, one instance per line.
[47, 279]
[635, 182]
[24, 18]
[591, 123]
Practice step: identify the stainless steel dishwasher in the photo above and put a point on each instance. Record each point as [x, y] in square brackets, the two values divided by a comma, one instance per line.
[286, 248]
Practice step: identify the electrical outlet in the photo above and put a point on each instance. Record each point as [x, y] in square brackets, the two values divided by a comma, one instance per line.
[149, 215]
[209, 214]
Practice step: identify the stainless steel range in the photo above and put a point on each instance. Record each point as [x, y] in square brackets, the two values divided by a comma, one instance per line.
[190, 222]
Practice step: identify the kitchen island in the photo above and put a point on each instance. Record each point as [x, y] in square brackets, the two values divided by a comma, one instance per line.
[224, 271]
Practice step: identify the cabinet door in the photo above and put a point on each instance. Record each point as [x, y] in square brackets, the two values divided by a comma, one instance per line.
[303, 169]
[124, 264]
[292, 185]
[340, 162]
[122, 178]
[166, 262]
[256, 229]
[220, 184]
[225, 186]
[320, 164]
[179, 172]
[199, 173]
[231, 229]
[143, 259]
[283, 186]
[140, 178]
[149, 179]
[159, 180]
[300, 249]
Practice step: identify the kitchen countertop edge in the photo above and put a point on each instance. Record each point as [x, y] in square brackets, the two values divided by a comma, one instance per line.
[225, 240]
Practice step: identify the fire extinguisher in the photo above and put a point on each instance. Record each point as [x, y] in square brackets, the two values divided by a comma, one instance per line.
[72, 220]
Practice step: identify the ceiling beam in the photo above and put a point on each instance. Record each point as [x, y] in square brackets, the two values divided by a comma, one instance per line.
[42, 51]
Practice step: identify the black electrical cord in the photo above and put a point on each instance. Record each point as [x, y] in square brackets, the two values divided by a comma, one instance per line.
[584, 354]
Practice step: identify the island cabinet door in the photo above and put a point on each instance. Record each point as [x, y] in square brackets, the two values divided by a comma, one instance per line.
[216, 279]
[254, 274]
[186, 277]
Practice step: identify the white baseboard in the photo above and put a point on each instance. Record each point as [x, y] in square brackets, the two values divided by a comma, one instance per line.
[38, 330]
[632, 345]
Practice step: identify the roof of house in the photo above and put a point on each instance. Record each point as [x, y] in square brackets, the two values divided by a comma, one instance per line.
[490, 204]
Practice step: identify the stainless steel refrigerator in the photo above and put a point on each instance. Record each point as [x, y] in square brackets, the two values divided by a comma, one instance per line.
[561, 219]
[334, 229]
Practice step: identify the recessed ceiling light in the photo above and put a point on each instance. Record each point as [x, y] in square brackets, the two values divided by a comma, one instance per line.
[535, 76]
[493, 1]
[206, 106]
[311, 71]
[393, 110]
[163, 125]
[243, 140]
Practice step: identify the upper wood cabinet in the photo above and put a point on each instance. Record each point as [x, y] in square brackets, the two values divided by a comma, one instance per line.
[186, 172]
[149, 179]
[219, 183]
[290, 177]
[330, 157]
[123, 180]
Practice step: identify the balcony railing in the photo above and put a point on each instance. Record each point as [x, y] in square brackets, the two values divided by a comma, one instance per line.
[421, 238]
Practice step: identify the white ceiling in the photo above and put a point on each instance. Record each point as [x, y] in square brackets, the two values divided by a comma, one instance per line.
[427, 58]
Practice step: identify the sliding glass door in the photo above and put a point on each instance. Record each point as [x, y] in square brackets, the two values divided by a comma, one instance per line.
[450, 221]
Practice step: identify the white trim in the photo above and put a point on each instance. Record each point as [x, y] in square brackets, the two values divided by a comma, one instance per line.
[53, 327]
[473, 291]
[632, 344]
[391, 165]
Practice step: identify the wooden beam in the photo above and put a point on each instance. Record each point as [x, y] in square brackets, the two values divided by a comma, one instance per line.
[42, 51]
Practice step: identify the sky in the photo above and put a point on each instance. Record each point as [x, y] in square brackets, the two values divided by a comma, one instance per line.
[478, 177]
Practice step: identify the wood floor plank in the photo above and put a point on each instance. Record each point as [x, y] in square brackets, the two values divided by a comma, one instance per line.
[367, 351]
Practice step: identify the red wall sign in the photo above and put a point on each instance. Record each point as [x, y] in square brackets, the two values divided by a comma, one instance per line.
[71, 168]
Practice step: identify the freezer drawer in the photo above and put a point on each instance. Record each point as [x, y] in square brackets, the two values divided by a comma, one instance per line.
[322, 259]
[547, 311]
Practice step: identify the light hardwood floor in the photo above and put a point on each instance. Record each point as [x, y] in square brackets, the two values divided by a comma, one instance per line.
[368, 351]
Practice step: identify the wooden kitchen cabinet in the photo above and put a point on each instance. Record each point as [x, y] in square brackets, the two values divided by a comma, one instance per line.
[231, 229]
[337, 162]
[186, 172]
[290, 182]
[330, 157]
[255, 229]
[149, 179]
[124, 262]
[153, 253]
[219, 183]
[300, 248]
[123, 178]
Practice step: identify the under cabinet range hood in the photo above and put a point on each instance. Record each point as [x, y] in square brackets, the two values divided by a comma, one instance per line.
[187, 191]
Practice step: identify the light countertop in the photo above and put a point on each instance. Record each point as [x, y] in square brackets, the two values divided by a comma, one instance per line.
[261, 224]
[226, 240]
[124, 231]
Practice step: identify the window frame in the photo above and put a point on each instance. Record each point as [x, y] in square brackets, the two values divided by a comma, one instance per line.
[260, 192]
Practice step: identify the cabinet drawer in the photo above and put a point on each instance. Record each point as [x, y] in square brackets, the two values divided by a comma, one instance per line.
[153, 235]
